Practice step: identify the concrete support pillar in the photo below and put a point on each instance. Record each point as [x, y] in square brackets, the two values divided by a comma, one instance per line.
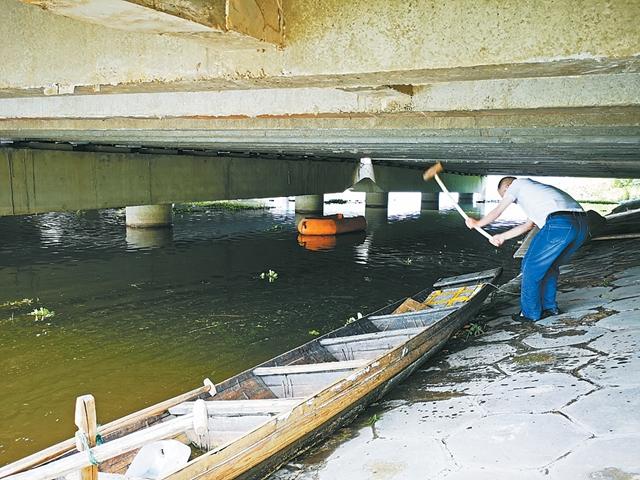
[377, 200]
[150, 216]
[430, 201]
[310, 203]
[465, 198]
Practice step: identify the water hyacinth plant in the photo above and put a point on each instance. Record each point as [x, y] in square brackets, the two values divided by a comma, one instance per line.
[42, 313]
[271, 275]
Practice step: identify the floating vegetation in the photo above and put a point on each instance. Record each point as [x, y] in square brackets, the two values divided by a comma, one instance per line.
[353, 319]
[472, 330]
[315, 333]
[274, 228]
[407, 261]
[17, 303]
[271, 275]
[42, 313]
[217, 205]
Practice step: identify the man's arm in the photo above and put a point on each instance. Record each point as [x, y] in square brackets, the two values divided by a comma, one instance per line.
[492, 215]
[500, 238]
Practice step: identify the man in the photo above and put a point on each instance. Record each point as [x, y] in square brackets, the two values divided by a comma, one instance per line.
[563, 229]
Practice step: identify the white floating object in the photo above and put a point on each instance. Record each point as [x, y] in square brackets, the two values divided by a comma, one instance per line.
[159, 459]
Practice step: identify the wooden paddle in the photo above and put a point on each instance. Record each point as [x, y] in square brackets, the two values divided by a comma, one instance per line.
[432, 172]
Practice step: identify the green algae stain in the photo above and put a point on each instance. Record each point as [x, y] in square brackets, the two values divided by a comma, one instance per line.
[532, 358]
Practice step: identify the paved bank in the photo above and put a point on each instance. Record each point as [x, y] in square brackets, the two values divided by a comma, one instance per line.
[558, 399]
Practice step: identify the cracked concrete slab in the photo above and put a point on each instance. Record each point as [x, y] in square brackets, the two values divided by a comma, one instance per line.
[522, 440]
[371, 455]
[607, 371]
[618, 342]
[609, 411]
[481, 355]
[436, 419]
[625, 304]
[562, 337]
[493, 474]
[621, 321]
[601, 459]
[565, 359]
[532, 393]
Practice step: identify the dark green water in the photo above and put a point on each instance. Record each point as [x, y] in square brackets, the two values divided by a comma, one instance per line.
[141, 316]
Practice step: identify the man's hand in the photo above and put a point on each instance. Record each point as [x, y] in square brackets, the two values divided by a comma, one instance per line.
[497, 240]
[471, 223]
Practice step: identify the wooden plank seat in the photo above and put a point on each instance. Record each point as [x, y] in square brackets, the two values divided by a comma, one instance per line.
[292, 381]
[236, 408]
[369, 345]
[309, 368]
[419, 319]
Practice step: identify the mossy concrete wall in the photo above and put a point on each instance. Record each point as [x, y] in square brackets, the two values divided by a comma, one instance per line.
[35, 181]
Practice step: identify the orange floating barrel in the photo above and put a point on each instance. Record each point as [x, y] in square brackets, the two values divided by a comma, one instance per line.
[331, 225]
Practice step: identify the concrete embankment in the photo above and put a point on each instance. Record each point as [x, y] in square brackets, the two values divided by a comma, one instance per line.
[555, 399]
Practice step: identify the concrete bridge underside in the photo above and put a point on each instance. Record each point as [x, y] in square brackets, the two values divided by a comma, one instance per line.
[516, 87]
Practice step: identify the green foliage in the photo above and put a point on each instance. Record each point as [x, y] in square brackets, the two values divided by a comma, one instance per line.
[353, 319]
[271, 276]
[42, 313]
[371, 421]
[315, 333]
[472, 330]
[217, 205]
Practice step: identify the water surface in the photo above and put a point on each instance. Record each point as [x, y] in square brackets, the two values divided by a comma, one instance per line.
[144, 315]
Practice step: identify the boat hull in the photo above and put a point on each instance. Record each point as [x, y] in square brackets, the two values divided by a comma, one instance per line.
[266, 449]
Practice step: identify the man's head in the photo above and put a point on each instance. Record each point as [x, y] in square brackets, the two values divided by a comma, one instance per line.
[504, 184]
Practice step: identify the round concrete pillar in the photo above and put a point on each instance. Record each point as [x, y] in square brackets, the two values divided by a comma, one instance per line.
[310, 203]
[377, 200]
[465, 198]
[430, 201]
[149, 237]
[150, 216]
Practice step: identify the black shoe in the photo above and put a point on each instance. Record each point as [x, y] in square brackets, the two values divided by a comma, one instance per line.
[552, 312]
[519, 317]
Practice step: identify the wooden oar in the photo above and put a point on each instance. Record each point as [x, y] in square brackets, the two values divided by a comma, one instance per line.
[67, 446]
[432, 172]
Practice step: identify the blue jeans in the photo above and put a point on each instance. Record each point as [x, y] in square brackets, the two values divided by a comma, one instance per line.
[561, 236]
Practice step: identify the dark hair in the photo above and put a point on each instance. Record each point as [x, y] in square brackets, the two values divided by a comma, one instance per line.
[504, 180]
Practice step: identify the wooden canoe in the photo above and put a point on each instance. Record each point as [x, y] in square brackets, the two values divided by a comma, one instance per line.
[262, 417]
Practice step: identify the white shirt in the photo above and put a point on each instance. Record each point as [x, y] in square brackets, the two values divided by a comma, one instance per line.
[539, 200]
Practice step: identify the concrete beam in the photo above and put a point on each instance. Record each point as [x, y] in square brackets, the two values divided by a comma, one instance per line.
[590, 142]
[388, 43]
[602, 91]
[245, 20]
[34, 181]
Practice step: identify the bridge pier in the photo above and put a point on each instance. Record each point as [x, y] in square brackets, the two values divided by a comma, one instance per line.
[465, 198]
[150, 216]
[377, 200]
[430, 201]
[309, 203]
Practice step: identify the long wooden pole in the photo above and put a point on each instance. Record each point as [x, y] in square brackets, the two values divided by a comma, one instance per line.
[455, 204]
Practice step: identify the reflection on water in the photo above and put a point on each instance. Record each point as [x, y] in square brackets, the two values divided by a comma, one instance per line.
[141, 315]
